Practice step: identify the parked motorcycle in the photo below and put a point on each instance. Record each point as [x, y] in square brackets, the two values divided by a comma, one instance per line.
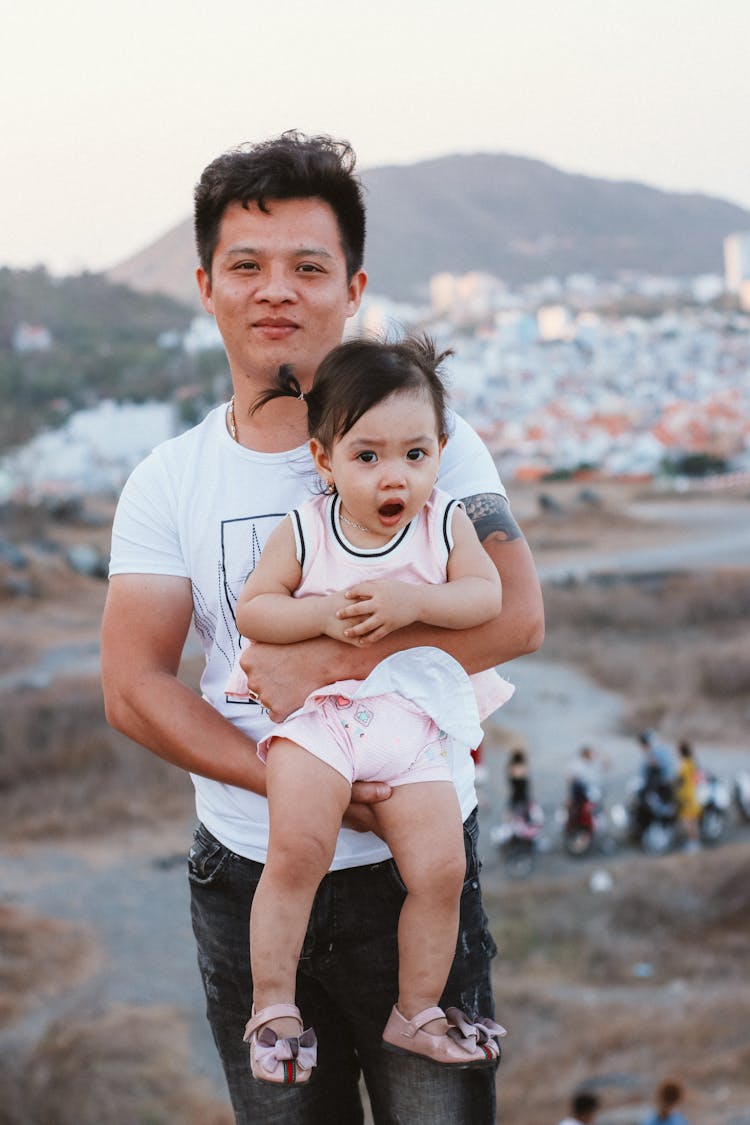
[517, 840]
[585, 823]
[651, 816]
[742, 795]
[714, 799]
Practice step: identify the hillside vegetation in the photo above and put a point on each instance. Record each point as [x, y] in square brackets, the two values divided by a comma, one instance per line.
[104, 344]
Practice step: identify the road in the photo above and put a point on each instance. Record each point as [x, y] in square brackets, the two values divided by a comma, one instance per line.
[698, 535]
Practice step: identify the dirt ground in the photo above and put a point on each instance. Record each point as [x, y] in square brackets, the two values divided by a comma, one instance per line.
[613, 988]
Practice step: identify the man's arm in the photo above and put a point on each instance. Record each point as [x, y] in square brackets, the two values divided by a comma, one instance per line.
[146, 622]
[519, 628]
[283, 677]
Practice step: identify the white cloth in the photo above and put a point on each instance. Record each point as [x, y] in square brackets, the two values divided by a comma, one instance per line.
[434, 681]
[201, 507]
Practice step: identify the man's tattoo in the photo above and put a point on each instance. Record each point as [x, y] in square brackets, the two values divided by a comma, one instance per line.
[492, 517]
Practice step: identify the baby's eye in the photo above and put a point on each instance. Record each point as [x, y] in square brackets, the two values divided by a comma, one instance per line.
[415, 455]
[368, 456]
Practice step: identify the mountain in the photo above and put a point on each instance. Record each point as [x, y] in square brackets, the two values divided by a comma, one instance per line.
[511, 216]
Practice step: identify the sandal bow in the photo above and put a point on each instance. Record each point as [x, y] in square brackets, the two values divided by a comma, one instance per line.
[482, 1033]
[284, 1061]
[281, 1058]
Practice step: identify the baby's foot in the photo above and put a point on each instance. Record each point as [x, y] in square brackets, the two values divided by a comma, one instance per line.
[285, 1027]
[437, 1026]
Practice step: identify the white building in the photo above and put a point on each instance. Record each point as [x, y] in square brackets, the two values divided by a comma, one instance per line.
[737, 260]
[31, 338]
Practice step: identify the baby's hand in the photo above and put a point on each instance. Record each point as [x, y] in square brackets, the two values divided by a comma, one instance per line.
[332, 624]
[376, 609]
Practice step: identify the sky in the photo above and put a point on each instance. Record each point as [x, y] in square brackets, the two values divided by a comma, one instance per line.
[110, 111]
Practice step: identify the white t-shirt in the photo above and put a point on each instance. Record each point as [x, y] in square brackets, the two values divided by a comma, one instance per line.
[202, 507]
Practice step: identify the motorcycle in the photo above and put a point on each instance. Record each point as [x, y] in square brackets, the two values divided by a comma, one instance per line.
[714, 799]
[649, 817]
[585, 823]
[651, 814]
[517, 840]
[742, 795]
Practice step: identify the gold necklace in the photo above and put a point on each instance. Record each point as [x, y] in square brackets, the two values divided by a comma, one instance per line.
[359, 526]
[232, 420]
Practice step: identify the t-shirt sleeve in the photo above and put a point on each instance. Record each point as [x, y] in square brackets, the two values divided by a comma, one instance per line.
[466, 467]
[145, 536]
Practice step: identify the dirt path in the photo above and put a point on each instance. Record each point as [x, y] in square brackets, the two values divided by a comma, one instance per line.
[131, 890]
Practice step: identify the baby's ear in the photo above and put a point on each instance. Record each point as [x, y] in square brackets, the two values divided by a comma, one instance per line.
[321, 460]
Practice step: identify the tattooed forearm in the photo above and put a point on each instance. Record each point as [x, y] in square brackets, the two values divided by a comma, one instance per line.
[492, 517]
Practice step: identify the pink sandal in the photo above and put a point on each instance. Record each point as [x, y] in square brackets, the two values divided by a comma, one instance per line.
[464, 1045]
[284, 1062]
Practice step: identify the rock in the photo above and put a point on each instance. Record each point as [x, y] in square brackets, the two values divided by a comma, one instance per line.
[12, 555]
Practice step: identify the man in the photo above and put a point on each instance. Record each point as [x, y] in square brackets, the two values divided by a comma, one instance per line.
[584, 1107]
[280, 235]
[658, 769]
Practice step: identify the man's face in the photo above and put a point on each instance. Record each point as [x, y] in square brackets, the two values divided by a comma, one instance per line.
[279, 288]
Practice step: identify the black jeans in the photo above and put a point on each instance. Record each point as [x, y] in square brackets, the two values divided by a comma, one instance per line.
[347, 982]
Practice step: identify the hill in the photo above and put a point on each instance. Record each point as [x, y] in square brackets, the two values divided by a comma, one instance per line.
[511, 216]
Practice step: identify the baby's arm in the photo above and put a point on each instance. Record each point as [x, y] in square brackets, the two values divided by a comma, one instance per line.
[471, 596]
[266, 610]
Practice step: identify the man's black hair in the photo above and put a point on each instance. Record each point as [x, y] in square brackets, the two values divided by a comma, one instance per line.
[292, 166]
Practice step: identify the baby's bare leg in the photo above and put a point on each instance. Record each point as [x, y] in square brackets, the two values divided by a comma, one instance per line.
[306, 799]
[422, 825]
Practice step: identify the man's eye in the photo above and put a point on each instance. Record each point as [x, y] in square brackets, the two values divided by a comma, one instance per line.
[367, 456]
[242, 266]
[308, 267]
[415, 455]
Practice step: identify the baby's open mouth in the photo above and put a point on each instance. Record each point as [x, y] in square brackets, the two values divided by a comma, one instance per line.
[392, 508]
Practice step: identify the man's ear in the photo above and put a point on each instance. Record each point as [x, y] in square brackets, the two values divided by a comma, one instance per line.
[356, 289]
[204, 287]
[321, 460]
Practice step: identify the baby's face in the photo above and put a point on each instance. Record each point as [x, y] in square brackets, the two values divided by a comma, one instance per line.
[386, 465]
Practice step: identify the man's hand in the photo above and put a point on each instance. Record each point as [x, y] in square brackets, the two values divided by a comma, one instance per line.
[280, 676]
[378, 608]
[359, 815]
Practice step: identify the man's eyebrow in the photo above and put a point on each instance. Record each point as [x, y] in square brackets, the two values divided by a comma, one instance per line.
[313, 252]
[301, 252]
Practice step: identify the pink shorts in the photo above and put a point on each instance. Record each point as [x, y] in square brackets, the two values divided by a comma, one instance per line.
[381, 738]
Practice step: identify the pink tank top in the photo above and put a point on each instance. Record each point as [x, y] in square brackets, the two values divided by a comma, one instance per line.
[329, 562]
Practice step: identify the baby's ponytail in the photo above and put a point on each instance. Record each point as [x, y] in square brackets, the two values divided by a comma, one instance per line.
[287, 386]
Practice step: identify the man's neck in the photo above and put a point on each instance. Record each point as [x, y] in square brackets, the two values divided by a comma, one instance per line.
[278, 426]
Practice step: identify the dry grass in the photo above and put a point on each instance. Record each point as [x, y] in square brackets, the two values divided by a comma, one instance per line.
[578, 1015]
[675, 648]
[125, 1066]
[64, 772]
[39, 956]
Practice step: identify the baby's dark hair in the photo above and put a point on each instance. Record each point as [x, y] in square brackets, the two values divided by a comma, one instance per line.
[357, 375]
